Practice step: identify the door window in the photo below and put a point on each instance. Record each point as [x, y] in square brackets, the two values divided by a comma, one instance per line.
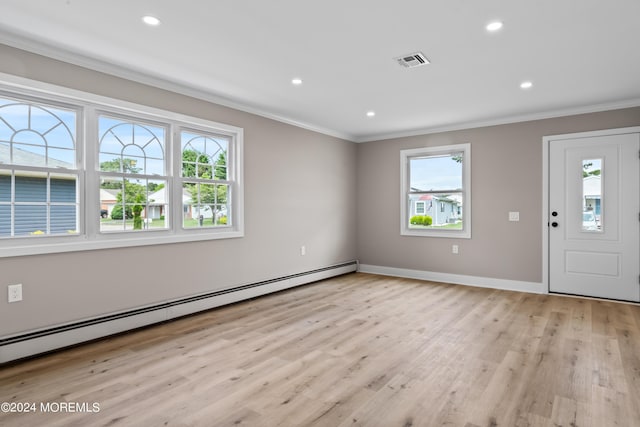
[592, 195]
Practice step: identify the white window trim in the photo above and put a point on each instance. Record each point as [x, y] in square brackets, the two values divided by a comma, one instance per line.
[405, 155]
[180, 181]
[89, 236]
[424, 207]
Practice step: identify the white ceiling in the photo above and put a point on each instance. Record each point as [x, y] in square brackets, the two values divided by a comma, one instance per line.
[581, 55]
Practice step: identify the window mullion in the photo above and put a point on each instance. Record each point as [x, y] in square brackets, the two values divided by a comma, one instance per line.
[175, 162]
[92, 181]
[48, 203]
[13, 203]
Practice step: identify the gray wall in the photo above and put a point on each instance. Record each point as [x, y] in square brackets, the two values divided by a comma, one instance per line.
[339, 199]
[299, 190]
[506, 175]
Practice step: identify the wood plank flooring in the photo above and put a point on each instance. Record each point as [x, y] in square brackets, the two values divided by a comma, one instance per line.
[357, 350]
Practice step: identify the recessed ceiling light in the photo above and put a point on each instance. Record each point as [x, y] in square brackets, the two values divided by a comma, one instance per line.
[296, 81]
[151, 20]
[371, 113]
[526, 85]
[494, 26]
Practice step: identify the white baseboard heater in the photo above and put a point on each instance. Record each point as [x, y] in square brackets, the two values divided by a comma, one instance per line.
[53, 338]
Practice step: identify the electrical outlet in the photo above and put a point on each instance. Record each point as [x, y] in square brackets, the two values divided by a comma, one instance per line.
[514, 216]
[454, 249]
[14, 293]
[303, 250]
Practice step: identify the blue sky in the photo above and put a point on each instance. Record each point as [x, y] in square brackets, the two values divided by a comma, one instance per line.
[595, 165]
[47, 132]
[436, 173]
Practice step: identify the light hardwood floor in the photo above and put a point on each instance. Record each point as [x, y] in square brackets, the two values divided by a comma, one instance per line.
[357, 350]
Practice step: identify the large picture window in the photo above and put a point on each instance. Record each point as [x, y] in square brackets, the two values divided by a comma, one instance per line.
[436, 191]
[79, 171]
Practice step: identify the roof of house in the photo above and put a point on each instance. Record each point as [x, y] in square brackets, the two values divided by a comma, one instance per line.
[107, 195]
[23, 157]
[442, 198]
[160, 197]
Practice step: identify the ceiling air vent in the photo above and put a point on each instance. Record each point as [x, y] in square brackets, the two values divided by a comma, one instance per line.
[412, 60]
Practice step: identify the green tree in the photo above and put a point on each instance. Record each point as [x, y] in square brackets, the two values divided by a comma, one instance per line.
[197, 165]
[124, 164]
[137, 211]
[586, 172]
[220, 170]
[211, 194]
[215, 194]
[117, 213]
[135, 195]
[154, 186]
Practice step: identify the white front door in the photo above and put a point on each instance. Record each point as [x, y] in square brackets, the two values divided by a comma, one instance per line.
[594, 215]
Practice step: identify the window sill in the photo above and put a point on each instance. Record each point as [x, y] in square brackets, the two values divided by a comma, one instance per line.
[447, 234]
[55, 244]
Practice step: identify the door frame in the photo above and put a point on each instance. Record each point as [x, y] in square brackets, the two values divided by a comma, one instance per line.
[546, 142]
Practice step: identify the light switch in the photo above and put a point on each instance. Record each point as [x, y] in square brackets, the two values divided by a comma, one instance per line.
[514, 216]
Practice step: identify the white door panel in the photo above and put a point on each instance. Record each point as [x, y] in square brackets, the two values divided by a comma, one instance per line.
[594, 205]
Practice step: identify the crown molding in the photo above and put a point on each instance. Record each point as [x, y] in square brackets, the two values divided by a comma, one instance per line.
[55, 52]
[550, 114]
[44, 48]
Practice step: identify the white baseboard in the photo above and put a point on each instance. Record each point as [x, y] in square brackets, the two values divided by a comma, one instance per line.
[458, 279]
[59, 336]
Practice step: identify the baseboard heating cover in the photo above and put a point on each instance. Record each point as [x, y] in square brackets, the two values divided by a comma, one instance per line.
[44, 340]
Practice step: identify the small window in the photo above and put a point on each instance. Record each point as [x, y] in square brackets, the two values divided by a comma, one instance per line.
[440, 174]
[592, 195]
